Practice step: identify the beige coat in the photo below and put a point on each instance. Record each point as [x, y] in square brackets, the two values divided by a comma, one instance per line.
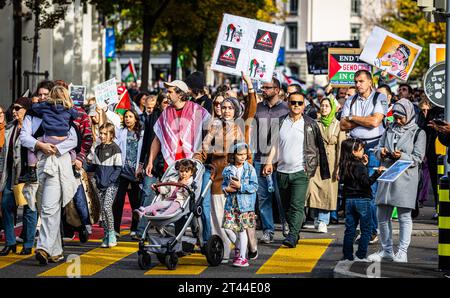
[322, 194]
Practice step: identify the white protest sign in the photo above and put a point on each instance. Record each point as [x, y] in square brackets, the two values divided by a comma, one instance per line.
[437, 53]
[390, 52]
[247, 45]
[106, 93]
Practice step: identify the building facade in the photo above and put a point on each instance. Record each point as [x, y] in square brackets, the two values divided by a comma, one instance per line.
[72, 51]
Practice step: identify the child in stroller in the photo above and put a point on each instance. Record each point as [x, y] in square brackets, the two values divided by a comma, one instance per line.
[174, 196]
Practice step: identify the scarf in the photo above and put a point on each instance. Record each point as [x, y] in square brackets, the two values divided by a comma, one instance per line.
[404, 108]
[326, 120]
[185, 131]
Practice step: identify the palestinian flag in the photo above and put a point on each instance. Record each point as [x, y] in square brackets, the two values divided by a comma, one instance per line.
[129, 73]
[124, 103]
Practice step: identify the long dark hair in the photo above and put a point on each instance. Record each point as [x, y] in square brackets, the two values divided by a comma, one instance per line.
[137, 126]
[348, 162]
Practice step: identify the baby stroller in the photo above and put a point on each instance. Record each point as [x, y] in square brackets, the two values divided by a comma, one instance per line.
[167, 243]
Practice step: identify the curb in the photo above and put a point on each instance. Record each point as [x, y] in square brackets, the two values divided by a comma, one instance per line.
[342, 270]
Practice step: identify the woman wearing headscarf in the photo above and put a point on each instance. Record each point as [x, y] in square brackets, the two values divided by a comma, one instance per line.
[403, 140]
[10, 169]
[322, 194]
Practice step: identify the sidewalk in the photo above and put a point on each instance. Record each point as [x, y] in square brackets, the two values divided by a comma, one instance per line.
[422, 254]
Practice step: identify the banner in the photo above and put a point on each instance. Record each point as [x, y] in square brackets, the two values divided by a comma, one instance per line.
[106, 93]
[317, 54]
[77, 94]
[342, 65]
[390, 52]
[110, 43]
[247, 45]
[437, 53]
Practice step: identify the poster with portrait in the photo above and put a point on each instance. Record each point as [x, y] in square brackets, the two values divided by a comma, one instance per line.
[437, 53]
[77, 94]
[390, 52]
[246, 45]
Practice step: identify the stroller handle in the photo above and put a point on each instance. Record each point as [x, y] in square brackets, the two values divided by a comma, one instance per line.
[156, 185]
[213, 170]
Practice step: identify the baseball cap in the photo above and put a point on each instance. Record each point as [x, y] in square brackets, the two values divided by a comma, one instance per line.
[177, 83]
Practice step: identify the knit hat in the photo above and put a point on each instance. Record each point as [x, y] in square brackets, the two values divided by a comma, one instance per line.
[236, 104]
[24, 102]
[195, 80]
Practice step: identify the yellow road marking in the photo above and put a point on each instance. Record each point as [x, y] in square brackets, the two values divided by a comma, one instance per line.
[12, 258]
[301, 259]
[193, 264]
[96, 260]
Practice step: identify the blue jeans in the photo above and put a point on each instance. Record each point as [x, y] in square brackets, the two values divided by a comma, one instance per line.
[147, 197]
[8, 207]
[322, 216]
[206, 215]
[357, 210]
[373, 163]
[29, 226]
[265, 199]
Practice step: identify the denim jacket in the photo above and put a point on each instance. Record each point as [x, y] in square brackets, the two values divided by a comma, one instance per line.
[246, 196]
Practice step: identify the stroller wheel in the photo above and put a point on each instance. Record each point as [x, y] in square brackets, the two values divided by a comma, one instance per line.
[214, 250]
[144, 260]
[161, 258]
[171, 261]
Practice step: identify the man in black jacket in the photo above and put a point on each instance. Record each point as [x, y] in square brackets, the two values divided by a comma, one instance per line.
[196, 84]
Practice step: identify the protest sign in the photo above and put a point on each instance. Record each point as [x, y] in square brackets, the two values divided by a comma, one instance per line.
[106, 93]
[247, 45]
[342, 65]
[394, 171]
[77, 94]
[434, 83]
[317, 54]
[390, 52]
[437, 53]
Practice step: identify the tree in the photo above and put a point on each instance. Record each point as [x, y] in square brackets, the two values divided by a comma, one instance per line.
[408, 21]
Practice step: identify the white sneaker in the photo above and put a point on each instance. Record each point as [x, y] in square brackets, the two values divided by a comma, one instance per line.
[19, 240]
[365, 260]
[322, 228]
[400, 257]
[380, 255]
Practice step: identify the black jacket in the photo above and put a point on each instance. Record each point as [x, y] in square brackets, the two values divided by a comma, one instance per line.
[360, 186]
[148, 122]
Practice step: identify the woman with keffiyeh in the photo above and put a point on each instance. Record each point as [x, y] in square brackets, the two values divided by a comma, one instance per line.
[322, 194]
[403, 140]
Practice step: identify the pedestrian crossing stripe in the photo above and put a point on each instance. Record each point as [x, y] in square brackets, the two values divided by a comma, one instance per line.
[301, 259]
[95, 260]
[193, 264]
[12, 258]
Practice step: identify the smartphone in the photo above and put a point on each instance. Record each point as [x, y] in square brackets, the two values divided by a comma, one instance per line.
[439, 122]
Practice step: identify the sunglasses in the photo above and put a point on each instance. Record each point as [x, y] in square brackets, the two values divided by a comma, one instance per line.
[296, 103]
[17, 108]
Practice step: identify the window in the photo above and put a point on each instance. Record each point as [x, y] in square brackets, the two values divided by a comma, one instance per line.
[356, 8]
[292, 35]
[355, 31]
[293, 7]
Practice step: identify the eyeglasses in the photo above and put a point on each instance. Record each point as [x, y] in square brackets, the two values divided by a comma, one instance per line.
[266, 88]
[17, 108]
[296, 103]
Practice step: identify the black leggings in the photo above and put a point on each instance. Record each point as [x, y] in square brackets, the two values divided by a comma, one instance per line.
[133, 197]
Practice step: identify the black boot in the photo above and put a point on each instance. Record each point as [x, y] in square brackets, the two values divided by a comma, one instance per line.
[7, 249]
[25, 251]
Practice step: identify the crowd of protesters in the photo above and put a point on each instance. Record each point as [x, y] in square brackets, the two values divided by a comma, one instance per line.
[279, 152]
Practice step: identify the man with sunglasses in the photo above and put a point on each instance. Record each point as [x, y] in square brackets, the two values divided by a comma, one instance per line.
[300, 150]
[362, 117]
[267, 116]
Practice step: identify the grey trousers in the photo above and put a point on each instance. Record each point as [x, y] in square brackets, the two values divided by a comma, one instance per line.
[384, 214]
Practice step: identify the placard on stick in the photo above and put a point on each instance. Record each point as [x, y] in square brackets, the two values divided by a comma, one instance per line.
[343, 63]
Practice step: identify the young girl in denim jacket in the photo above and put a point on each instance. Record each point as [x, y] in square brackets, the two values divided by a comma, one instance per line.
[240, 184]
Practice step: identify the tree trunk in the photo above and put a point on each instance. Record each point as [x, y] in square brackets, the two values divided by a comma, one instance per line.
[37, 13]
[174, 57]
[146, 42]
[199, 50]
